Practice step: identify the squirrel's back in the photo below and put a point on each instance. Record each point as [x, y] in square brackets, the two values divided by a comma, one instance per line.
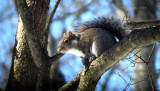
[112, 25]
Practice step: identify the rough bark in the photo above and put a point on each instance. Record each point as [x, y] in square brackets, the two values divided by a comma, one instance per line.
[24, 72]
[23, 69]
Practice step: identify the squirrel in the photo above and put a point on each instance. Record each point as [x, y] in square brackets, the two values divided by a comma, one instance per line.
[95, 36]
[92, 39]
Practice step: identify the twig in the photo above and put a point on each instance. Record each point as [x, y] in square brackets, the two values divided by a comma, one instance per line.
[121, 77]
[55, 57]
[49, 20]
[145, 79]
[147, 64]
[136, 52]
[126, 67]
[140, 58]
[107, 78]
[149, 74]
[128, 85]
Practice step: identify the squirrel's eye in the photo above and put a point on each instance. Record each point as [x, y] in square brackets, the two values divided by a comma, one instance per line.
[66, 41]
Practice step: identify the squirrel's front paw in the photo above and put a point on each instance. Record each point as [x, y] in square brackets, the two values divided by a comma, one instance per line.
[92, 58]
[86, 63]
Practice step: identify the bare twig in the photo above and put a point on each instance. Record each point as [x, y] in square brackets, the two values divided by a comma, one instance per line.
[55, 57]
[128, 85]
[121, 76]
[126, 67]
[49, 21]
[149, 74]
[133, 61]
[104, 85]
[145, 79]
[121, 8]
[147, 64]
[151, 52]
[134, 54]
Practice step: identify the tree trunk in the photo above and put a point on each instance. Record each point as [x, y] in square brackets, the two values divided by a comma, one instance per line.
[23, 73]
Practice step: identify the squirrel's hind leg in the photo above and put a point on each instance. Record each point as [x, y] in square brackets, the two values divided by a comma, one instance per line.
[85, 62]
[102, 43]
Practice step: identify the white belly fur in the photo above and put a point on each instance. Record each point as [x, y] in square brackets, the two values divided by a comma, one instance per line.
[76, 52]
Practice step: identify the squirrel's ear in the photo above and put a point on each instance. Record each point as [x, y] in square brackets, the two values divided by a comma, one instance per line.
[70, 33]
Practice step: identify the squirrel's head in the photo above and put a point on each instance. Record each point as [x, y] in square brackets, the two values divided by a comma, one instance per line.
[68, 42]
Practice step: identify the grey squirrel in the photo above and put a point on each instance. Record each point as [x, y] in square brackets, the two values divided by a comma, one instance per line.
[92, 39]
[96, 36]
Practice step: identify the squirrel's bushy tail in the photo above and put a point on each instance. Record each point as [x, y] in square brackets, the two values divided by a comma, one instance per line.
[111, 25]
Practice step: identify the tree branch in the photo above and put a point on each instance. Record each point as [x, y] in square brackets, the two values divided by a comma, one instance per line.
[55, 57]
[72, 85]
[33, 42]
[49, 21]
[140, 25]
[121, 10]
[31, 37]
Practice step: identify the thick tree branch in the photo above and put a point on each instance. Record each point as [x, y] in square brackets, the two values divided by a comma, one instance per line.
[33, 42]
[31, 36]
[140, 25]
[137, 38]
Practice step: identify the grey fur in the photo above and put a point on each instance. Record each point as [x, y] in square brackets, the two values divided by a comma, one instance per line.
[112, 25]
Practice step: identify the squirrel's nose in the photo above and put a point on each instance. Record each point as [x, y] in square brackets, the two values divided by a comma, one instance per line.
[59, 49]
